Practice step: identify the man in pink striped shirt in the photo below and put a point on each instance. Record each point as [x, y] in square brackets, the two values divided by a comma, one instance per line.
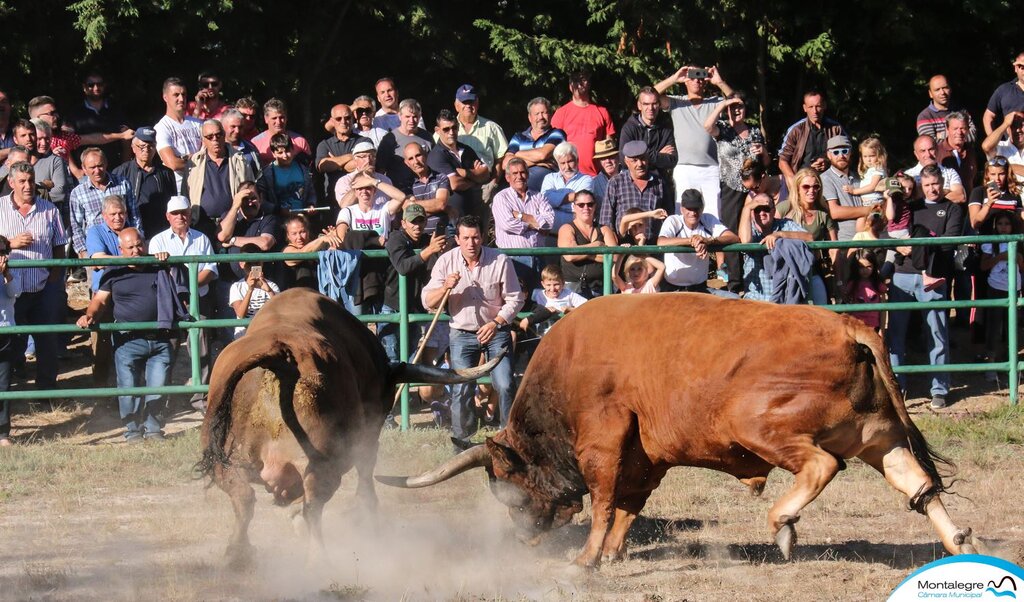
[485, 296]
[522, 220]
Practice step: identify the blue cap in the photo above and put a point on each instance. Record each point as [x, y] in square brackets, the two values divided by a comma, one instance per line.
[465, 93]
[146, 134]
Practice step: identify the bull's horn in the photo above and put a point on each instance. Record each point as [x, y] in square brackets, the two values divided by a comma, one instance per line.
[471, 458]
[416, 373]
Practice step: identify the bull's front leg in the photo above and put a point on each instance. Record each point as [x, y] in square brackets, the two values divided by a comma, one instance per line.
[602, 507]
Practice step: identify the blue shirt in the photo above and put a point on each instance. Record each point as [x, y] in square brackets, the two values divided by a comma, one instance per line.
[555, 190]
[86, 204]
[755, 280]
[100, 239]
[524, 141]
[288, 185]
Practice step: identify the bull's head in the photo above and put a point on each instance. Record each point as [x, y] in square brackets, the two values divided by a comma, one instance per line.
[516, 483]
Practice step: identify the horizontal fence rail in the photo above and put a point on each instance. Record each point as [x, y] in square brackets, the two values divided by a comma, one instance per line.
[403, 318]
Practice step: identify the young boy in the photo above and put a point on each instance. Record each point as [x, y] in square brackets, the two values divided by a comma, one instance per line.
[251, 293]
[289, 184]
[552, 296]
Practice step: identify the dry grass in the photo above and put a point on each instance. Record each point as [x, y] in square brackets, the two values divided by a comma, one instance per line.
[119, 522]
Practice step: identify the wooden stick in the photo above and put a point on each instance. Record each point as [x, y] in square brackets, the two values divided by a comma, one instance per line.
[423, 342]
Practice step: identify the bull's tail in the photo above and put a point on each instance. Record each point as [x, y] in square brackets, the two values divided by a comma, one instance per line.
[237, 359]
[938, 467]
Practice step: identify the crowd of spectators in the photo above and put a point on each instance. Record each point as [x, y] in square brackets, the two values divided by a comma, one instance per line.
[689, 167]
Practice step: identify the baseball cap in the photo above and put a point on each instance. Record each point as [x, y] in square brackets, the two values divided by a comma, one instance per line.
[634, 148]
[413, 212]
[178, 203]
[465, 93]
[692, 199]
[363, 146]
[146, 134]
[839, 141]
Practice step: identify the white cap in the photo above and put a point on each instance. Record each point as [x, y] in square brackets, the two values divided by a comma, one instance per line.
[178, 203]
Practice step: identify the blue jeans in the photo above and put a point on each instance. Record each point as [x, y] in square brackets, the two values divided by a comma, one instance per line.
[910, 287]
[465, 353]
[5, 405]
[388, 335]
[134, 360]
[42, 307]
[819, 294]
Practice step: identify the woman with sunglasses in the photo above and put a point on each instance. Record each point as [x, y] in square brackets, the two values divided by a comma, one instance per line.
[999, 192]
[582, 273]
[807, 210]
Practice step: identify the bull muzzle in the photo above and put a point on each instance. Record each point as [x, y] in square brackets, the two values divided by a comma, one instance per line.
[416, 373]
[469, 459]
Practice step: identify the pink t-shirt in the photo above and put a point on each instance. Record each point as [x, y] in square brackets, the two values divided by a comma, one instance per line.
[863, 291]
[583, 126]
[648, 287]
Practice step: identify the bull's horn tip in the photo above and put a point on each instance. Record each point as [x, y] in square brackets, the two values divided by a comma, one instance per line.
[393, 481]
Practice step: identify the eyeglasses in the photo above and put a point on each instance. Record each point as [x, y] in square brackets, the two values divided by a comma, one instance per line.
[213, 136]
[839, 152]
[342, 118]
[998, 161]
[209, 83]
[143, 146]
[590, 204]
[448, 129]
[93, 84]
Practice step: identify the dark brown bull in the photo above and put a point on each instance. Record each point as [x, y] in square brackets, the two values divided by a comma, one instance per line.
[626, 387]
[297, 402]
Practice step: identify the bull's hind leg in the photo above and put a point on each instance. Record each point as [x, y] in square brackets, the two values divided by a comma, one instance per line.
[902, 471]
[814, 469]
[243, 499]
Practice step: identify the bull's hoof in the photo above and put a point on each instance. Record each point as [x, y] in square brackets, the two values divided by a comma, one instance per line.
[756, 485]
[965, 541]
[240, 556]
[785, 538]
[613, 555]
[585, 563]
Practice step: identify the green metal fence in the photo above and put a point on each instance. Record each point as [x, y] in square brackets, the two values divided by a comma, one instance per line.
[403, 318]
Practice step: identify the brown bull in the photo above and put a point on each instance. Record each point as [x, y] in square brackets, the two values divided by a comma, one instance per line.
[297, 402]
[626, 387]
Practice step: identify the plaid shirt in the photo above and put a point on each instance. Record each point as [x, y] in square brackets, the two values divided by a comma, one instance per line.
[622, 194]
[87, 207]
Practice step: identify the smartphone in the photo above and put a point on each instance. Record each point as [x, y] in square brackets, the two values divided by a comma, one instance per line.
[256, 271]
[697, 73]
[992, 186]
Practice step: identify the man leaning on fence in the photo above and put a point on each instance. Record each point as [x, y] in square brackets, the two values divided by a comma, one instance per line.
[139, 293]
[483, 302]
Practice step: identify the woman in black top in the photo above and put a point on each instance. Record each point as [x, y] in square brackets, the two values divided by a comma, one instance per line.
[583, 273]
[303, 272]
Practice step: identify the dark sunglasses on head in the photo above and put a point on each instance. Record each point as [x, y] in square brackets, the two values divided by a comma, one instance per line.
[839, 152]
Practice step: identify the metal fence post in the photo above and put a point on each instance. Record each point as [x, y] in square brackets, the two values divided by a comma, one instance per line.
[194, 333]
[403, 342]
[1011, 318]
[606, 268]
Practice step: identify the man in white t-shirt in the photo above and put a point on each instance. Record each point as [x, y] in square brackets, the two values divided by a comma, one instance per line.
[925, 151]
[177, 135]
[693, 228]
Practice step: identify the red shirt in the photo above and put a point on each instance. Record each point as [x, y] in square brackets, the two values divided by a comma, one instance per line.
[583, 126]
[204, 115]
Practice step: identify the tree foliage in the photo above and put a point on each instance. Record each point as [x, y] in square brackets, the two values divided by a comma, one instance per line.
[872, 58]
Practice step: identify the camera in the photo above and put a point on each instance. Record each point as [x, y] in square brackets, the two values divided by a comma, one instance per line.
[697, 73]
[894, 188]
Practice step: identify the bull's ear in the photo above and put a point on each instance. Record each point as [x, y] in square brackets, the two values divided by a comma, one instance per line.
[504, 459]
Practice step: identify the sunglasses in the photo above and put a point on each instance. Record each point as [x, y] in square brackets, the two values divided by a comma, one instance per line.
[342, 118]
[999, 161]
[248, 115]
[591, 204]
[214, 136]
[763, 209]
[362, 111]
[839, 152]
[93, 84]
[448, 129]
[210, 83]
[810, 187]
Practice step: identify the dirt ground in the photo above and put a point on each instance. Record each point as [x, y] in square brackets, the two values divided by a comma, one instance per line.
[84, 516]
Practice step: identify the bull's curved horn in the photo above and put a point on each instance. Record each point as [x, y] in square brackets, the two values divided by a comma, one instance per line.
[416, 373]
[471, 458]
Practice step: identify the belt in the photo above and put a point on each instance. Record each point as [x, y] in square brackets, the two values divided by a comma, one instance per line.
[132, 335]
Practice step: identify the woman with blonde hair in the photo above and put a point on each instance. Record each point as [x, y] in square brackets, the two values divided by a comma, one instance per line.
[806, 206]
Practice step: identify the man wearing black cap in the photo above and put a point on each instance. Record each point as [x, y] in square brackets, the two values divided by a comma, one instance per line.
[636, 187]
[694, 228]
[151, 182]
[414, 265]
